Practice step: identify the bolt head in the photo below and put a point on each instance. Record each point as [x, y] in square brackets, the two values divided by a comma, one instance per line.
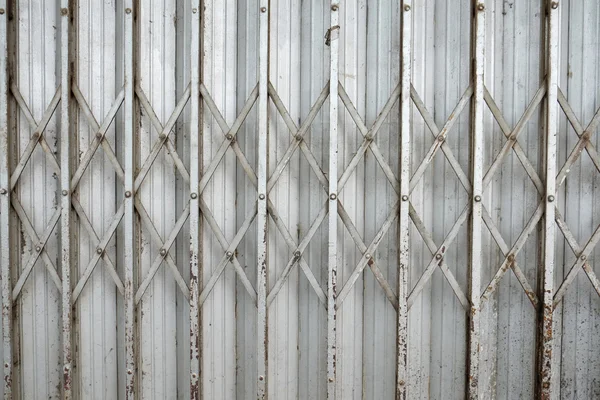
[128, 11]
[401, 383]
[193, 195]
[441, 138]
[333, 196]
[194, 376]
[5, 365]
[261, 378]
[162, 136]
[583, 257]
[438, 256]
[229, 254]
[64, 11]
[2, 11]
[478, 198]
[480, 7]
[65, 192]
[229, 137]
[128, 194]
[263, 9]
[163, 252]
[3, 191]
[550, 198]
[194, 10]
[99, 135]
[554, 5]
[368, 256]
[129, 372]
[38, 248]
[334, 7]
[99, 250]
[330, 379]
[407, 8]
[405, 198]
[261, 196]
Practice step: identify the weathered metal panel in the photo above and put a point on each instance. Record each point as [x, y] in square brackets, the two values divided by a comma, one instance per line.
[299, 199]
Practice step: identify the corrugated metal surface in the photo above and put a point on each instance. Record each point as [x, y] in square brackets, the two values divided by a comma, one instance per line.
[445, 261]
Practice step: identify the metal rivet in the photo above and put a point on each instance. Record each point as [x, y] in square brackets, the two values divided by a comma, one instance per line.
[297, 253]
[38, 248]
[480, 7]
[478, 198]
[333, 196]
[99, 250]
[129, 372]
[583, 257]
[128, 11]
[99, 135]
[128, 194]
[5, 364]
[330, 379]
[261, 378]
[474, 383]
[194, 376]
[65, 192]
[513, 137]
[401, 383]
[229, 254]
[229, 136]
[405, 198]
[263, 9]
[438, 256]
[261, 196]
[193, 195]
[2, 11]
[36, 135]
[162, 136]
[163, 252]
[3, 191]
[407, 8]
[441, 138]
[194, 10]
[298, 138]
[368, 256]
[550, 198]
[334, 7]
[64, 11]
[511, 257]
[555, 5]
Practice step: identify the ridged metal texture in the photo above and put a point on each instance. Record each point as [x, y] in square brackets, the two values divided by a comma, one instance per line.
[299, 199]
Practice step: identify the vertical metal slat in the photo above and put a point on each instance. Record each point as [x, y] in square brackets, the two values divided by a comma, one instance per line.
[403, 230]
[476, 199]
[5, 205]
[65, 182]
[333, 204]
[545, 324]
[129, 221]
[195, 376]
[262, 237]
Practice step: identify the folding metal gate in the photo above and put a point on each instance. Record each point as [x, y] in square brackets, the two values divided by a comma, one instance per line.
[303, 199]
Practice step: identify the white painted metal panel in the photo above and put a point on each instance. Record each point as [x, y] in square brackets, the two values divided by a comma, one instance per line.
[299, 199]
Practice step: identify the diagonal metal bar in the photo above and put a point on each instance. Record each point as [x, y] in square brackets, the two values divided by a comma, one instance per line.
[160, 128]
[163, 137]
[440, 138]
[579, 253]
[212, 222]
[161, 257]
[505, 249]
[99, 250]
[39, 128]
[508, 260]
[225, 259]
[296, 257]
[584, 140]
[362, 247]
[297, 133]
[100, 136]
[367, 256]
[40, 244]
[110, 266]
[20, 211]
[37, 136]
[147, 222]
[537, 99]
[438, 259]
[229, 136]
[287, 237]
[368, 136]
